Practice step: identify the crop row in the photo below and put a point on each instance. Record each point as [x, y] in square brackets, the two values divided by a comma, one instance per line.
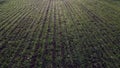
[58, 34]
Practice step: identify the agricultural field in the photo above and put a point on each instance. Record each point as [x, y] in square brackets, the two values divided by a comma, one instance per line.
[59, 33]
